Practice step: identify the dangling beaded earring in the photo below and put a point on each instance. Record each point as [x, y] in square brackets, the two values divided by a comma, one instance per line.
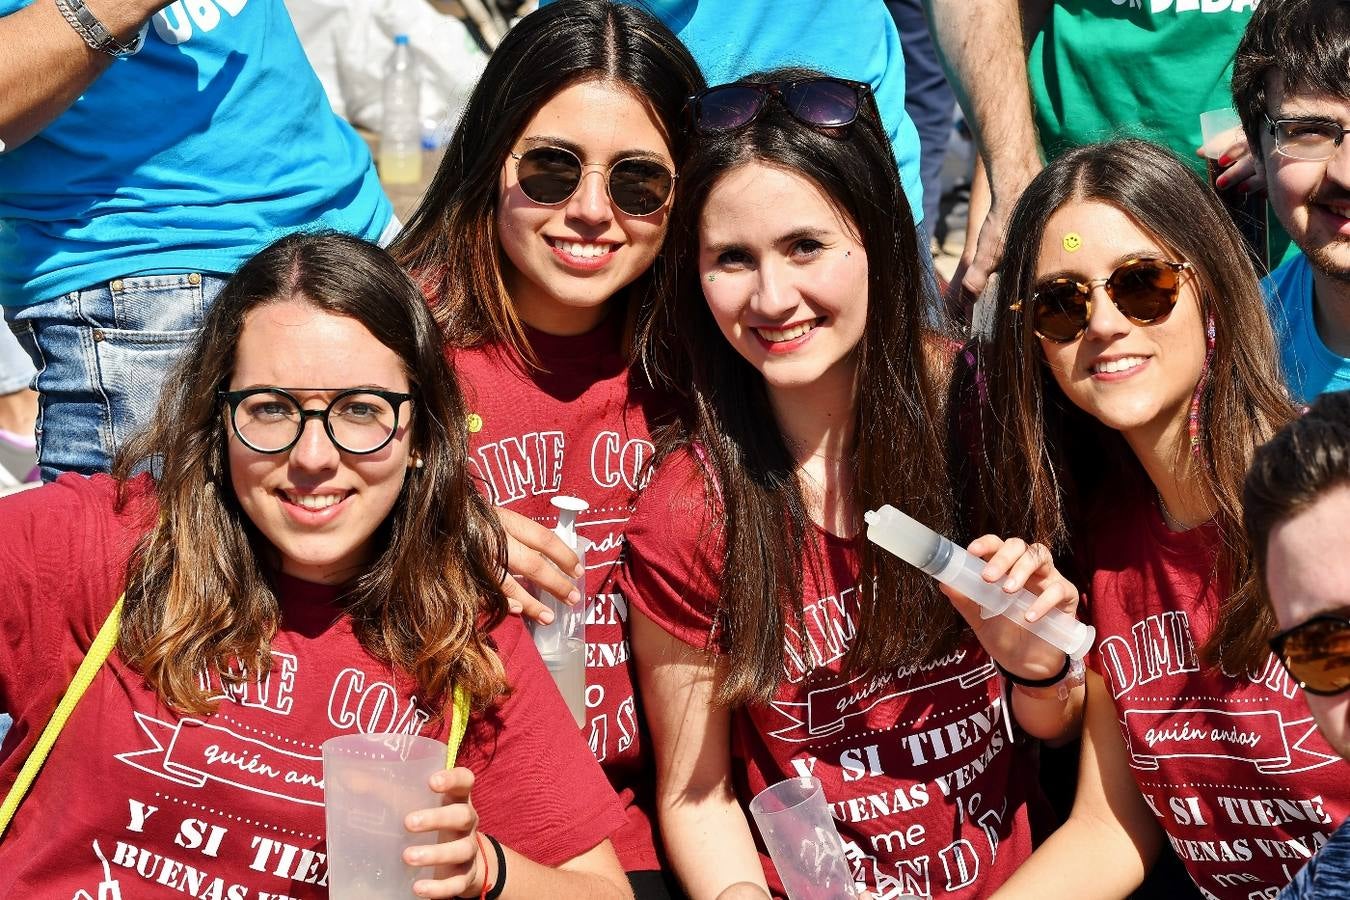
[1193, 424]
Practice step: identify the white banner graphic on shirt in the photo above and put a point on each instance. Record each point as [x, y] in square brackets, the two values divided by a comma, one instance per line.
[1259, 737]
[827, 709]
[193, 752]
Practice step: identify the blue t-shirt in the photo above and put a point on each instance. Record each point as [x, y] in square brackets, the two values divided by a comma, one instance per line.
[854, 39]
[1327, 875]
[1310, 367]
[212, 141]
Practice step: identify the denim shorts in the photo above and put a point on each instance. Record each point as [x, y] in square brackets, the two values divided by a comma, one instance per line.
[102, 355]
[16, 369]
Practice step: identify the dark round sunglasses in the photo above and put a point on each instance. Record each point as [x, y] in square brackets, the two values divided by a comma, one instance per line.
[551, 175]
[819, 102]
[1144, 290]
[1316, 654]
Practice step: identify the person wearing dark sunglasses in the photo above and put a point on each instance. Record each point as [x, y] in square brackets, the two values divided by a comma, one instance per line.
[1296, 506]
[1130, 376]
[537, 246]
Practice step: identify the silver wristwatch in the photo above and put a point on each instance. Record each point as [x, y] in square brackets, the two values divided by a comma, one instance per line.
[95, 33]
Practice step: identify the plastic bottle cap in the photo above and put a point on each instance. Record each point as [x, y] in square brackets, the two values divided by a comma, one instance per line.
[568, 507]
[571, 504]
[400, 39]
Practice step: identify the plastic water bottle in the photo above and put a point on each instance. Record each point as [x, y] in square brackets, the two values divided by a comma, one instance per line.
[562, 643]
[400, 159]
[934, 555]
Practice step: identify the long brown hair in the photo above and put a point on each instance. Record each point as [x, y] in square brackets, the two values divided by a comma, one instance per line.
[200, 589]
[898, 449]
[450, 241]
[1037, 462]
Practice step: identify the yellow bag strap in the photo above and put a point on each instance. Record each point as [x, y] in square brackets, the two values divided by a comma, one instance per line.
[459, 723]
[104, 641]
[93, 661]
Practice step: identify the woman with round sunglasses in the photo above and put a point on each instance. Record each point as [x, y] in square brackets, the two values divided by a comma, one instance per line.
[312, 561]
[773, 641]
[1130, 377]
[536, 244]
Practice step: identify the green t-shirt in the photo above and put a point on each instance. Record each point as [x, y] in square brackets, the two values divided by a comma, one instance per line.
[1104, 69]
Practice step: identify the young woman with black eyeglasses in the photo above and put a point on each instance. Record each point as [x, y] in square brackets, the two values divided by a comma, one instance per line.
[537, 245]
[311, 561]
[772, 640]
[1130, 378]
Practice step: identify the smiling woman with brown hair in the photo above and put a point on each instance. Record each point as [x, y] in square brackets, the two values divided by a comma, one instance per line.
[772, 640]
[1130, 378]
[537, 244]
[313, 561]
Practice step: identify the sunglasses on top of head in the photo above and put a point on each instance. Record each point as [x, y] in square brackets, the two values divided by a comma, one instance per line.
[821, 102]
[1316, 654]
[637, 186]
[1144, 290]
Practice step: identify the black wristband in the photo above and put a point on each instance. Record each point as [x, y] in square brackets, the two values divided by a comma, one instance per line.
[1037, 682]
[501, 869]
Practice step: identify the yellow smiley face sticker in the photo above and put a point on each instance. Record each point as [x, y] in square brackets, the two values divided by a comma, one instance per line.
[475, 422]
[1073, 242]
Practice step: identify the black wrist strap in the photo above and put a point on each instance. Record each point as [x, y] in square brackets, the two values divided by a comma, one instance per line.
[1037, 682]
[501, 869]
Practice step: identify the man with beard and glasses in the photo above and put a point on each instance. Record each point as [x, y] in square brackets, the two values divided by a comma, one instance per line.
[1291, 86]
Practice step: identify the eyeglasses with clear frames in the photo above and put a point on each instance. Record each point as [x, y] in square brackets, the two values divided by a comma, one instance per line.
[1311, 140]
[358, 421]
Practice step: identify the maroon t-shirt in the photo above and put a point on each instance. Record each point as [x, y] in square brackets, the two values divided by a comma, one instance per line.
[929, 792]
[230, 805]
[1233, 766]
[577, 427]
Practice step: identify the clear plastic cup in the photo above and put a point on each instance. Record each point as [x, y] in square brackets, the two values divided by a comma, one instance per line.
[1219, 128]
[802, 840]
[371, 783]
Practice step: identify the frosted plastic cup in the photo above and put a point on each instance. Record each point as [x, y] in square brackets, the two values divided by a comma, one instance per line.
[802, 840]
[1218, 130]
[371, 782]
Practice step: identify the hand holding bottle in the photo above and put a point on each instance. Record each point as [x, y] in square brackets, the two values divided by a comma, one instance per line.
[1025, 572]
[1014, 566]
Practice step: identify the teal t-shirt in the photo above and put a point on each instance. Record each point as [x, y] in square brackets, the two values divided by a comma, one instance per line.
[212, 141]
[854, 39]
[1310, 366]
[1105, 69]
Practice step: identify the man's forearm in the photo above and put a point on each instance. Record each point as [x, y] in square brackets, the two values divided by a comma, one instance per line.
[45, 65]
[984, 52]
